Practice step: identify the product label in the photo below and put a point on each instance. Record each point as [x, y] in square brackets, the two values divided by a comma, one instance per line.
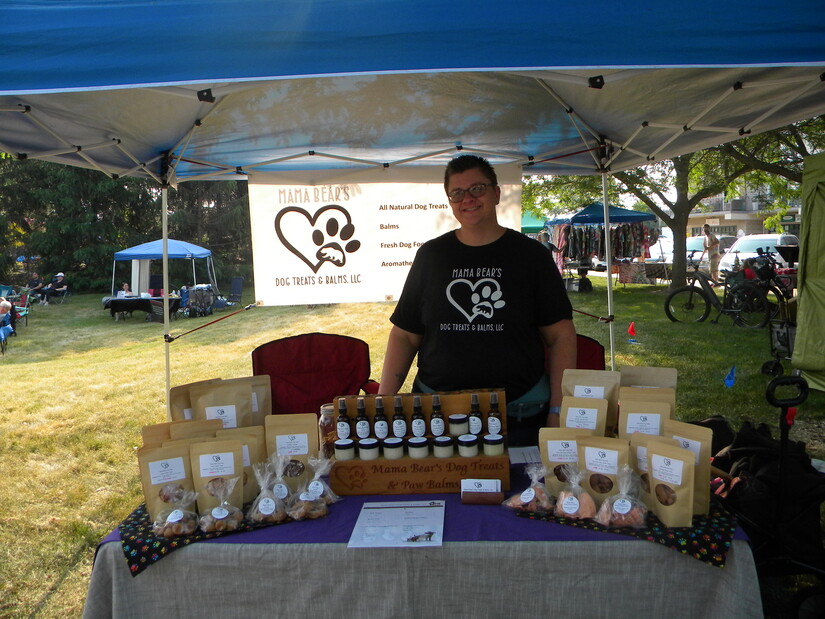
[219, 513]
[292, 444]
[266, 506]
[475, 425]
[641, 458]
[307, 496]
[343, 429]
[584, 418]
[437, 426]
[315, 488]
[645, 423]
[225, 413]
[381, 429]
[255, 408]
[281, 491]
[600, 460]
[419, 427]
[694, 446]
[246, 460]
[164, 471]
[216, 465]
[585, 391]
[563, 451]
[493, 425]
[621, 506]
[175, 516]
[667, 470]
[399, 428]
[187, 413]
[528, 495]
[362, 429]
[570, 505]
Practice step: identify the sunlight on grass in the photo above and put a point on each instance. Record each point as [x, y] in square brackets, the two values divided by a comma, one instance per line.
[84, 385]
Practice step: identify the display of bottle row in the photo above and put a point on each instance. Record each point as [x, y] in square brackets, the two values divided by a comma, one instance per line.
[417, 447]
[412, 416]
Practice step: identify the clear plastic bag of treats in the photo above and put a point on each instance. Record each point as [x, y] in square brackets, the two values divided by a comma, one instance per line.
[624, 509]
[574, 502]
[536, 498]
[178, 519]
[321, 467]
[280, 488]
[224, 517]
[307, 505]
[266, 508]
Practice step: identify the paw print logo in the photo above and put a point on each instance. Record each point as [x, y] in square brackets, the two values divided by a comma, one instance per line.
[473, 299]
[320, 238]
[357, 478]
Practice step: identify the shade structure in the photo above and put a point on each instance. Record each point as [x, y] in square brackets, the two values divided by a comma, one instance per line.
[530, 224]
[595, 214]
[153, 250]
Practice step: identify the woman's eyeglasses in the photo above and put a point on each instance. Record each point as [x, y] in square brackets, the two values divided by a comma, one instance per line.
[477, 190]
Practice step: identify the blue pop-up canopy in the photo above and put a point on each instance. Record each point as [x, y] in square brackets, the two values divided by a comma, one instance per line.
[153, 250]
[594, 214]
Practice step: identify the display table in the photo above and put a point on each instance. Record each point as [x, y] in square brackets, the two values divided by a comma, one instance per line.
[116, 305]
[492, 564]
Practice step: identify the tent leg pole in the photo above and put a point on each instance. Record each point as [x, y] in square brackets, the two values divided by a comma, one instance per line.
[608, 250]
[166, 342]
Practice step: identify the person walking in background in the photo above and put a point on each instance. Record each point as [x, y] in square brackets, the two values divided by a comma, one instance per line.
[711, 244]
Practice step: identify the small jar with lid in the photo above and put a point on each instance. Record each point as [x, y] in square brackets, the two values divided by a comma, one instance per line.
[344, 449]
[418, 447]
[327, 431]
[443, 447]
[493, 445]
[459, 425]
[368, 449]
[468, 445]
[393, 448]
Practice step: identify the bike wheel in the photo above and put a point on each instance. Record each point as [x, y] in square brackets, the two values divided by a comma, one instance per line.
[749, 306]
[687, 304]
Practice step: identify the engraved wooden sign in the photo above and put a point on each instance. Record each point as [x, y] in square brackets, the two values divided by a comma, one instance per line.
[416, 475]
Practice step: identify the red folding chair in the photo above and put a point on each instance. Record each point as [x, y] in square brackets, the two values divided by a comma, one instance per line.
[309, 370]
[589, 354]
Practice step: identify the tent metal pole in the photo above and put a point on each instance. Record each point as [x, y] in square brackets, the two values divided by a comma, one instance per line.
[114, 262]
[608, 250]
[165, 226]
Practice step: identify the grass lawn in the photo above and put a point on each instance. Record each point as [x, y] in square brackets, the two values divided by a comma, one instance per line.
[80, 386]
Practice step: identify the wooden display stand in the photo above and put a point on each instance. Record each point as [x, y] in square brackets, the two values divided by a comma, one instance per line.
[416, 476]
[421, 475]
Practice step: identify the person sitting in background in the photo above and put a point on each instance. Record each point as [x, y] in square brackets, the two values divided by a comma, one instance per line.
[125, 291]
[35, 284]
[57, 288]
[6, 313]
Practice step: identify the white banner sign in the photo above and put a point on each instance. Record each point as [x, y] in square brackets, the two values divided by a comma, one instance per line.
[349, 243]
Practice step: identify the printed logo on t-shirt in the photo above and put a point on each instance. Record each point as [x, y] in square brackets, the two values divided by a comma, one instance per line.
[473, 299]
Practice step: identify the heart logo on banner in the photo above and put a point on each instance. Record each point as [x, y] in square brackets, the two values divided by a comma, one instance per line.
[481, 298]
[316, 239]
[351, 477]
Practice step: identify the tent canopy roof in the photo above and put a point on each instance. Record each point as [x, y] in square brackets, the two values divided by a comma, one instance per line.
[594, 214]
[326, 91]
[153, 250]
[531, 223]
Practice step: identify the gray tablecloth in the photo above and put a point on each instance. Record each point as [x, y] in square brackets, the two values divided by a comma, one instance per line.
[482, 579]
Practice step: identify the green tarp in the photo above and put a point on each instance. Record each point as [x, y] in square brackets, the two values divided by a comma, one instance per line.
[531, 224]
[809, 346]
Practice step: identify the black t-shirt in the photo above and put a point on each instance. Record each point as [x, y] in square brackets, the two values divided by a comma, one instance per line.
[479, 309]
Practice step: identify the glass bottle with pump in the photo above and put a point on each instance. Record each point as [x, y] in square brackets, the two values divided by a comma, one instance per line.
[475, 420]
[494, 416]
[419, 424]
[399, 420]
[362, 422]
[380, 426]
[342, 424]
[437, 417]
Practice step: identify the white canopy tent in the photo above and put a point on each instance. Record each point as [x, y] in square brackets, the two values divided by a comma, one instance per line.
[324, 91]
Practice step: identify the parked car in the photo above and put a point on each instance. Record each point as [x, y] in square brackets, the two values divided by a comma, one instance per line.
[746, 246]
[697, 244]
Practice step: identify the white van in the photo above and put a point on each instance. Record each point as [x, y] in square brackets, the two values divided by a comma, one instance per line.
[746, 246]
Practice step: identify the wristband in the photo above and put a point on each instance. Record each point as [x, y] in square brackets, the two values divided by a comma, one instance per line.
[554, 410]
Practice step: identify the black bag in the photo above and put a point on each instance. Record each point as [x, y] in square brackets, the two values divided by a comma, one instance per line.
[585, 285]
[782, 520]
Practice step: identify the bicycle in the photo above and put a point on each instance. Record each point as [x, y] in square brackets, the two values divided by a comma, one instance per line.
[744, 301]
[778, 287]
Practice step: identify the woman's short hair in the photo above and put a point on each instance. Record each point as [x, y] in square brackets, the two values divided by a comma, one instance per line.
[462, 163]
